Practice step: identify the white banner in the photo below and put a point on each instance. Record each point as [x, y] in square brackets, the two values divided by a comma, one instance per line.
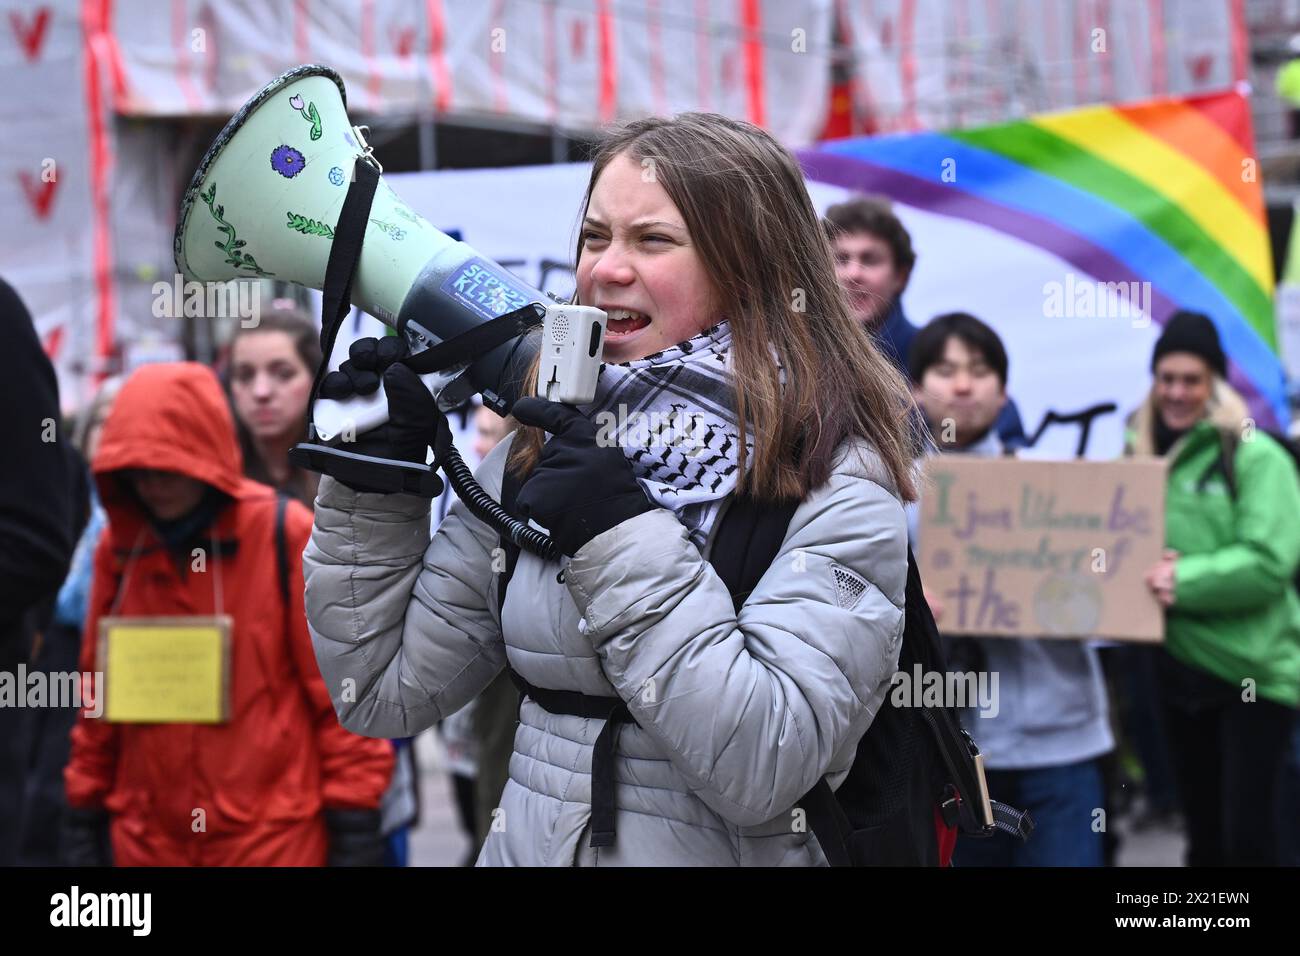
[526, 219]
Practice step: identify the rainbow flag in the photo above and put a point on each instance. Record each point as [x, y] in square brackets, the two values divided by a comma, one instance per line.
[1164, 192]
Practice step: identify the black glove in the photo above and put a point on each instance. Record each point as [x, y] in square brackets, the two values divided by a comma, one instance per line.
[578, 489]
[84, 840]
[414, 422]
[354, 838]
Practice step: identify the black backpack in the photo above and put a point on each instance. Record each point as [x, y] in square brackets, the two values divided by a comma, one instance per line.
[917, 778]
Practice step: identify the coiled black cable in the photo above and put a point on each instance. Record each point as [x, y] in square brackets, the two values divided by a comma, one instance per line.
[486, 508]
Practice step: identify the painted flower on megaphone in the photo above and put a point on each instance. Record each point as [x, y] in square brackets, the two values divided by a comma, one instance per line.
[287, 161]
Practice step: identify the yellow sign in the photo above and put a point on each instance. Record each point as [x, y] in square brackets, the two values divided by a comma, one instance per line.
[166, 670]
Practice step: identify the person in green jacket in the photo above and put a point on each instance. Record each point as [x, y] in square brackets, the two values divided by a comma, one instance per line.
[1230, 677]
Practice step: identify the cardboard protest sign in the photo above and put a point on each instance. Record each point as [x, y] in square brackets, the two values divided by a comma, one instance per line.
[166, 669]
[1017, 548]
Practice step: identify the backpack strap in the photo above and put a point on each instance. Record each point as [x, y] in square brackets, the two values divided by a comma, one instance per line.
[282, 548]
[828, 822]
[955, 745]
[746, 543]
[748, 539]
[1225, 464]
[1229, 439]
[613, 711]
[973, 810]
[281, 541]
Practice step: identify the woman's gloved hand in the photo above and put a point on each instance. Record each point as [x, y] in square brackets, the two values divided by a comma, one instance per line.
[354, 838]
[579, 489]
[83, 837]
[414, 422]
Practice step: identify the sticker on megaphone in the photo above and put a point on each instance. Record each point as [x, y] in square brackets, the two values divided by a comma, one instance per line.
[572, 340]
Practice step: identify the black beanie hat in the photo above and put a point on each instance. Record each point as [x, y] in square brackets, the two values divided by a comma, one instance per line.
[1195, 333]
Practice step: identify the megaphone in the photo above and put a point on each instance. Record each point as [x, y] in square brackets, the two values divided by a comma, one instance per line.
[270, 198]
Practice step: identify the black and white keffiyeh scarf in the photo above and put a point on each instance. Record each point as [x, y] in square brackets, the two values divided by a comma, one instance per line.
[673, 413]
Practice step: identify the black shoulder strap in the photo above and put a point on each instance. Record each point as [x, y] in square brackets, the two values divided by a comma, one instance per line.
[747, 541]
[1230, 439]
[282, 576]
[282, 547]
[1224, 463]
[341, 267]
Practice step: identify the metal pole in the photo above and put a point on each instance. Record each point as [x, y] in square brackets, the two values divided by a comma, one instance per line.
[428, 139]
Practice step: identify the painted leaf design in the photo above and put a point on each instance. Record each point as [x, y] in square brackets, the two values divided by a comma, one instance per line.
[307, 226]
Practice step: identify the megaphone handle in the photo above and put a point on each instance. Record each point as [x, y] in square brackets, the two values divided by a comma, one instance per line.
[345, 253]
[383, 475]
[390, 476]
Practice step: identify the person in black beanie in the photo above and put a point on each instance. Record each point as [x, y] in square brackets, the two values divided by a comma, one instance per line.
[1229, 669]
[36, 525]
[1193, 334]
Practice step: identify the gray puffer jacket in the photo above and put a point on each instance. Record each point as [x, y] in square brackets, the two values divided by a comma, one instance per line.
[737, 716]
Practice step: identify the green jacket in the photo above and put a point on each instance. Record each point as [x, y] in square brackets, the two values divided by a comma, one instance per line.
[1236, 613]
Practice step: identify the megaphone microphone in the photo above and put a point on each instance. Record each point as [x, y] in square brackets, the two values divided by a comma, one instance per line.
[290, 189]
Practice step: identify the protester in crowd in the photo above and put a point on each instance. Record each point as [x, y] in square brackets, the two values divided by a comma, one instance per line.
[874, 259]
[271, 368]
[489, 429]
[1230, 675]
[734, 715]
[276, 782]
[48, 730]
[1043, 745]
[36, 527]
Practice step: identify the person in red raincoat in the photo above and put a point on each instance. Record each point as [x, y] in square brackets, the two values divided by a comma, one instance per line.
[280, 783]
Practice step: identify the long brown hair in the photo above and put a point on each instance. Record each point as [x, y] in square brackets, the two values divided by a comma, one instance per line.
[763, 247]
